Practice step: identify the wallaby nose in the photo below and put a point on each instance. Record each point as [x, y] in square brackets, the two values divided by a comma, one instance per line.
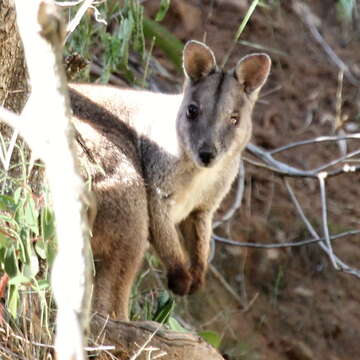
[207, 154]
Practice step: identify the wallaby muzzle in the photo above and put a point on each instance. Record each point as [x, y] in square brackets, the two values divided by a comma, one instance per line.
[207, 154]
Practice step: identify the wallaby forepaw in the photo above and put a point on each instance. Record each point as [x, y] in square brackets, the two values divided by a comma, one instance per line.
[179, 281]
[198, 279]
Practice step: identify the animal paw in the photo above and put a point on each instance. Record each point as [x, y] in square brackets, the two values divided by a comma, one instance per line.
[198, 279]
[179, 281]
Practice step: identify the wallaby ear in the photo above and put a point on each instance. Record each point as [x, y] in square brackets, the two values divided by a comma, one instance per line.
[252, 71]
[198, 59]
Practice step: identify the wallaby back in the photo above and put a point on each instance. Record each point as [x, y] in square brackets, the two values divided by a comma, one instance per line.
[160, 165]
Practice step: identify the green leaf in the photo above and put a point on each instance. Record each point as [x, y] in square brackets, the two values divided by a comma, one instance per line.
[32, 268]
[164, 310]
[31, 215]
[165, 40]
[19, 213]
[10, 262]
[125, 34]
[17, 195]
[51, 251]
[40, 248]
[138, 31]
[24, 245]
[164, 7]
[2, 258]
[211, 337]
[346, 9]
[48, 224]
[175, 325]
[43, 284]
[13, 300]
[5, 241]
[19, 279]
[9, 219]
[163, 298]
[7, 203]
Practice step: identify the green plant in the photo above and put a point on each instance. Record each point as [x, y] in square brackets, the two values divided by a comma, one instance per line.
[345, 9]
[278, 285]
[27, 237]
[126, 29]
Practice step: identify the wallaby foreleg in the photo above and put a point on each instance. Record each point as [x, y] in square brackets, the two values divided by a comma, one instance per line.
[196, 232]
[165, 239]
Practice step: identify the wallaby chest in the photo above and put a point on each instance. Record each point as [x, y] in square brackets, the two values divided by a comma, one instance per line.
[195, 191]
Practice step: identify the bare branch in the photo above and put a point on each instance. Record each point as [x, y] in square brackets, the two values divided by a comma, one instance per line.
[226, 285]
[313, 232]
[309, 19]
[283, 245]
[276, 165]
[146, 343]
[319, 139]
[73, 24]
[238, 197]
[322, 177]
[287, 170]
[68, 4]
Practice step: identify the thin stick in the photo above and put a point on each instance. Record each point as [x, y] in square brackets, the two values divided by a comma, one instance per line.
[290, 171]
[238, 198]
[336, 161]
[283, 245]
[73, 24]
[338, 117]
[319, 139]
[226, 285]
[11, 147]
[308, 18]
[322, 177]
[142, 348]
[68, 4]
[344, 267]
[280, 166]
[240, 30]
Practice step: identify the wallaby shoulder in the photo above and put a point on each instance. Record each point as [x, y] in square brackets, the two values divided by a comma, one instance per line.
[148, 113]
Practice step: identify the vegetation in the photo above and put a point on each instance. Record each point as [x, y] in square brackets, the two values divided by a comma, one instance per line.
[119, 39]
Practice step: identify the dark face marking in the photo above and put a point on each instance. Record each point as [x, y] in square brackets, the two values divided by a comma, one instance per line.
[219, 87]
[218, 101]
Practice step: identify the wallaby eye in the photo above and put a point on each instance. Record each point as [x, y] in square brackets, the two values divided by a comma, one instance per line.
[234, 119]
[192, 112]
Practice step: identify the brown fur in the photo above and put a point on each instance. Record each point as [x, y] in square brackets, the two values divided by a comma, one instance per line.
[157, 174]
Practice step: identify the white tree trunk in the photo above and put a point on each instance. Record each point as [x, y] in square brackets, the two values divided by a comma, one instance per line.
[46, 127]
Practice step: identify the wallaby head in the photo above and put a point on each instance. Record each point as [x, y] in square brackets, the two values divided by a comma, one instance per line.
[215, 116]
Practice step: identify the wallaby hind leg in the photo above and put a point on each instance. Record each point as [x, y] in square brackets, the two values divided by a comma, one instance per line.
[112, 286]
[119, 242]
[196, 233]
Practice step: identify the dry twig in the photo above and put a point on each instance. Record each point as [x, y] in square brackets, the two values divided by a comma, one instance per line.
[311, 21]
[339, 166]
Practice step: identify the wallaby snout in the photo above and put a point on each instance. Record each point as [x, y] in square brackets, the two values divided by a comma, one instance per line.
[207, 154]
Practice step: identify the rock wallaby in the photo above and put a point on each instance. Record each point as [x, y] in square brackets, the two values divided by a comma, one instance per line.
[159, 167]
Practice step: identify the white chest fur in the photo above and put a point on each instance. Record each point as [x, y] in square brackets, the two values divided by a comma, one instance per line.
[196, 194]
